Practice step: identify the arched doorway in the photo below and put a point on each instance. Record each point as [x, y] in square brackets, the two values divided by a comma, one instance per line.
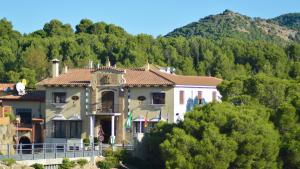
[25, 145]
[107, 101]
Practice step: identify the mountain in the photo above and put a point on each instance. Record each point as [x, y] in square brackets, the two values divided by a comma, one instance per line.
[231, 24]
[290, 20]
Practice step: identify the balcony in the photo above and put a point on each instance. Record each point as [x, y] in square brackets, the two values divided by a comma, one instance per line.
[115, 109]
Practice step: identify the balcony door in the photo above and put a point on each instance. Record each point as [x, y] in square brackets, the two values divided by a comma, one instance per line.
[107, 101]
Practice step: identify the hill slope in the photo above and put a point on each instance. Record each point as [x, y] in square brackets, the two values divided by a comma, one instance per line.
[230, 24]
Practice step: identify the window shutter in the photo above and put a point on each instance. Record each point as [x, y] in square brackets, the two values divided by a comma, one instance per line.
[214, 96]
[181, 97]
[199, 97]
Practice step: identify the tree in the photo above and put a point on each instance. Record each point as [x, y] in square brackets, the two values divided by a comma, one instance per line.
[223, 136]
[35, 59]
[84, 26]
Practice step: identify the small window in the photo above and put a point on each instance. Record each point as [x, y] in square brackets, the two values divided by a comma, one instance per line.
[59, 97]
[25, 115]
[59, 127]
[181, 97]
[214, 96]
[75, 129]
[139, 127]
[199, 97]
[158, 98]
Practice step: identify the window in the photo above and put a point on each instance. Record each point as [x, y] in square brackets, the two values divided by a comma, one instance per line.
[75, 129]
[214, 96]
[181, 97]
[139, 127]
[25, 115]
[59, 127]
[158, 98]
[199, 97]
[59, 97]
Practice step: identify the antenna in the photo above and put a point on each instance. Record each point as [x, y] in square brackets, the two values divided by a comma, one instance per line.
[20, 88]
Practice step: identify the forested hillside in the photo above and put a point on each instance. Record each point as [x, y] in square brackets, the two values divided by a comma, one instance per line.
[282, 29]
[256, 126]
[27, 56]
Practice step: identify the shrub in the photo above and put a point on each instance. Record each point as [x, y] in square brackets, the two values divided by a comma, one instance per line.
[67, 164]
[37, 166]
[86, 141]
[108, 163]
[12, 116]
[8, 161]
[81, 162]
[96, 141]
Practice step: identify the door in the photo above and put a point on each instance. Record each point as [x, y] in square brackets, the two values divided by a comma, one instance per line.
[107, 101]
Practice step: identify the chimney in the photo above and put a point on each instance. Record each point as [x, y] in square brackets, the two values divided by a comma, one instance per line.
[66, 69]
[147, 65]
[55, 68]
[91, 66]
[108, 62]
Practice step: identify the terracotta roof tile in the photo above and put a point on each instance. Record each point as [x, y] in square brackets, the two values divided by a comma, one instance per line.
[76, 77]
[142, 77]
[133, 77]
[190, 80]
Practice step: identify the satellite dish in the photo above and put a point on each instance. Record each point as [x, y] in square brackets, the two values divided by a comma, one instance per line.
[20, 88]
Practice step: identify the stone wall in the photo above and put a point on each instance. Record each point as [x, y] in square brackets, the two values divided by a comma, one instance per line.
[7, 133]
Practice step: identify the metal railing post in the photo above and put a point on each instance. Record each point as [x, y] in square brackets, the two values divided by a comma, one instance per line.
[83, 150]
[101, 147]
[55, 146]
[74, 150]
[65, 147]
[32, 150]
[44, 150]
[21, 150]
[8, 150]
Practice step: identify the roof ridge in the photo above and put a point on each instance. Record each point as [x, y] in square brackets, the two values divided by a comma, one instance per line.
[153, 71]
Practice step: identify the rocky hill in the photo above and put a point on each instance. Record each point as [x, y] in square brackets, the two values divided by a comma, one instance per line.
[231, 24]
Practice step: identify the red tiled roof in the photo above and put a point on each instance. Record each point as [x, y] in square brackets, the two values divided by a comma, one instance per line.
[76, 77]
[36, 95]
[190, 80]
[133, 77]
[142, 77]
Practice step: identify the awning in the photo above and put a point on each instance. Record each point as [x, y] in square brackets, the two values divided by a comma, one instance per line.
[139, 119]
[75, 117]
[58, 117]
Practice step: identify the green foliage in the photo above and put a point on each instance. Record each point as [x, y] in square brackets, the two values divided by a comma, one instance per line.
[86, 141]
[37, 166]
[81, 162]
[111, 159]
[8, 161]
[235, 25]
[11, 115]
[222, 136]
[67, 164]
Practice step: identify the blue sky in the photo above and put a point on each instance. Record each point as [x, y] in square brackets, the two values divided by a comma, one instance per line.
[155, 17]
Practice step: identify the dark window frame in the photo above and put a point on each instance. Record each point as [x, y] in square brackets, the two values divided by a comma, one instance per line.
[77, 128]
[59, 97]
[158, 101]
[59, 128]
[25, 119]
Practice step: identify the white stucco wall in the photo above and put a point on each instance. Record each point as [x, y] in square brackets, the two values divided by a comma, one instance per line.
[190, 94]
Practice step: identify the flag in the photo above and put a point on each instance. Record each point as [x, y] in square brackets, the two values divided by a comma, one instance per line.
[128, 123]
[146, 120]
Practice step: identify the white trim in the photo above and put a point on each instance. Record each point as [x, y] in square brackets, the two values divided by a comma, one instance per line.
[193, 86]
